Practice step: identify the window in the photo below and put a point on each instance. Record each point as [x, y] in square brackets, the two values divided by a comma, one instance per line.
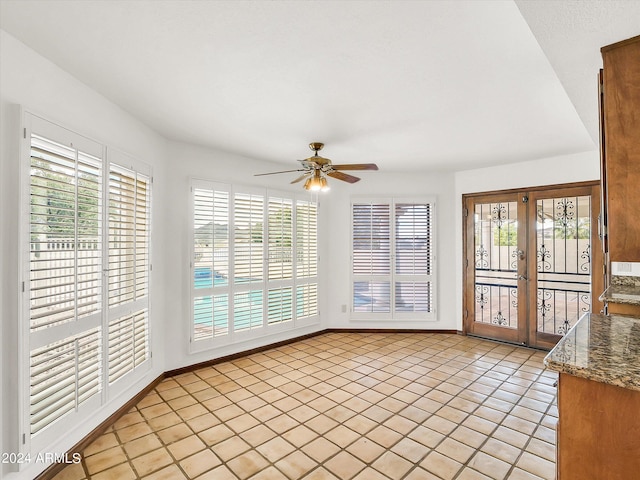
[254, 265]
[392, 260]
[87, 282]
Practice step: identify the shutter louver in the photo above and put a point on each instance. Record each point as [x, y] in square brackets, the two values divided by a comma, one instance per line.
[128, 344]
[248, 238]
[247, 310]
[307, 300]
[211, 238]
[129, 206]
[280, 230]
[63, 375]
[279, 305]
[306, 239]
[65, 253]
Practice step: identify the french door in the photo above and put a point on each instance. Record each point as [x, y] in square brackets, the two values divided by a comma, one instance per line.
[531, 269]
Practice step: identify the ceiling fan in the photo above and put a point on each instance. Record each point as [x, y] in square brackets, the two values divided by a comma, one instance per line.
[316, 167]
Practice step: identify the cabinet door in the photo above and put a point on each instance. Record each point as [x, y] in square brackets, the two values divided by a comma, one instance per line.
[621, 85]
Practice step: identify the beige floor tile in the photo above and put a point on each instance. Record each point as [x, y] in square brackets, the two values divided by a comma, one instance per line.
[269, 473]
[71, 472]
[275, 449]
[203, 422]
[490, 466]
[320, 449]
[186, 447]
[392, 465]
[154, 411]
[220, 473]
[142, 445]
[138, 430]
[518, 474]
[317, 474]
[164, 421]
[440, 465]
[344, 465]
[247, 464]
[536, 465]
[419, 473]
[105, 459]
[176, 432]
[152, 461]
[258, 435]
[215, 435]
[542, 449]
[441, 425]
[300, 435]
[411, 450]
[455, 450]
[120, 472]
[321, 424]
[230, 448]
[341, 436]
[426, 436]
[501, 450]
[469, 474]
[199, 463]
[296, 465]
[103, 442]
[242, 423]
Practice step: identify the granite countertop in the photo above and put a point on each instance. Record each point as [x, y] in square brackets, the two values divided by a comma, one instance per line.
[629, 294]
[623, 289]
[603, 348]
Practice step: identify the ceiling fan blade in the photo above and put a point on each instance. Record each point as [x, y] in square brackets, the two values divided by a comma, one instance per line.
[355, 166]
[301, 177]
[344, 177]
[275, 173]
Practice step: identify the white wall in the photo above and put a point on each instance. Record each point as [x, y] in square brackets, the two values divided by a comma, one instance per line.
[579, 167]
[42, 88]
[336, 252]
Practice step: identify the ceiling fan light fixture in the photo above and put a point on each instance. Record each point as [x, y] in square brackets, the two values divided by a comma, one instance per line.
[316, 183]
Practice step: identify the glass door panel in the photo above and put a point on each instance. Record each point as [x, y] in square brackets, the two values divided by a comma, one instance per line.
[496, 266]
[563, 262]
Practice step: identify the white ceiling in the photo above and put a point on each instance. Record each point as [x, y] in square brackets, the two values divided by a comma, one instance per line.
[410, 85]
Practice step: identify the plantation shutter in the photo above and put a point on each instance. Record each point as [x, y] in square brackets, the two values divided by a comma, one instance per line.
[64, 288]
[128, 254]
[413, 257]
[210, 282]
[254, 266]
[392, 259]
[307, 238]
[371, 257]
[248, 266]
[280, 260]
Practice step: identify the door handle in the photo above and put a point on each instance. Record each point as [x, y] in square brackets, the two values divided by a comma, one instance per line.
[520, 254]
[522, 277]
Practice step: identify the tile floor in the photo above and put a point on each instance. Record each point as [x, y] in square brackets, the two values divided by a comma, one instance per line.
[362, 406]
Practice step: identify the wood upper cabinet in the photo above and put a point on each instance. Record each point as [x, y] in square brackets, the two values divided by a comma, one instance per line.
[620, 111]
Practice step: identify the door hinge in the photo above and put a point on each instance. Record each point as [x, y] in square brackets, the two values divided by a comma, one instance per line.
[525, 199]
[24, 133]
[23, 286]
[24, 438]
[466, 212]
[466, 313]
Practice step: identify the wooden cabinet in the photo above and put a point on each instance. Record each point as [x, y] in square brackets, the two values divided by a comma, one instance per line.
[598, 431]
[620, 112]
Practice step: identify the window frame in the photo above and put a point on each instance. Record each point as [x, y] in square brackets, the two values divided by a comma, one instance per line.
[393, 278]
[264, 286]
[30, 342]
